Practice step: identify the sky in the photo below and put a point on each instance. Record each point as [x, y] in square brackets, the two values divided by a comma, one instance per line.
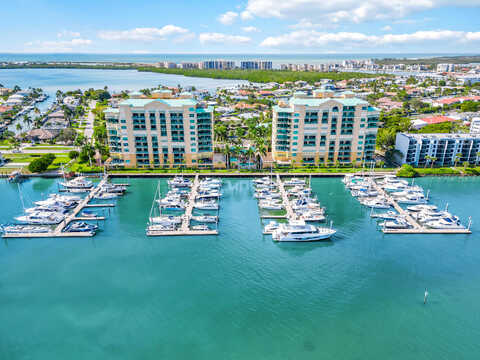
[250, 26]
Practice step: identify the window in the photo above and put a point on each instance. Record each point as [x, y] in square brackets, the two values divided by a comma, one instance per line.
[309, 140]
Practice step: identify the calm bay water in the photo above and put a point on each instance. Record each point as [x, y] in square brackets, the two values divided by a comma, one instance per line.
[52, 80]
[121, 295]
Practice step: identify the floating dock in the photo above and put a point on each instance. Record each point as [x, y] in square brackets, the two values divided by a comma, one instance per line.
[185, 227]
[286, 203]
[416, 227]
[58, 231]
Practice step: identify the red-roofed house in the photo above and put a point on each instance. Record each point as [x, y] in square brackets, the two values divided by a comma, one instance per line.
[455, 100]
[437, 119]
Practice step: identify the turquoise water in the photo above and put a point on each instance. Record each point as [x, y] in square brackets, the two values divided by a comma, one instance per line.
[121, 295]
[50, 80]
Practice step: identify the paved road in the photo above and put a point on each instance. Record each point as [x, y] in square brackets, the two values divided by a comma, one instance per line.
[90, 119]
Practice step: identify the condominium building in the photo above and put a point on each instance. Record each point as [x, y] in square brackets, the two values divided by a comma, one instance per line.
[441, 149]
[217, 64]
[256, 65]
[160, 133]
[325, 128]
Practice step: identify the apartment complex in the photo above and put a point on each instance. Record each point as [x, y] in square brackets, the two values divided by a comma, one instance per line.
[256, 65]
[441, 149]
[324, 128]
[161, 132]
[217, 65]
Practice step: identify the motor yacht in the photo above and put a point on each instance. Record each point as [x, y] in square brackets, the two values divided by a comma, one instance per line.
[206, 205]
[77, 183]
[294, 181]
[298, 231]
[421, 207]
[445, 223]
[397, 223]
[412, 199]
[271, 227]
[41, 218]
[24, 229]
[81, 227]
[179, 181]
[389, 215]
[166, 220]
[205, 218]
[200, 227]
[105, 196]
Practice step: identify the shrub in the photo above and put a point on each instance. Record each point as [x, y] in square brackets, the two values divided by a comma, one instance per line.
[407, 171]
[41, 164]
[73, 154]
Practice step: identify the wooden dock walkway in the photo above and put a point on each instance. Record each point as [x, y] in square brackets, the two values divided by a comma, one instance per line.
[286, 203]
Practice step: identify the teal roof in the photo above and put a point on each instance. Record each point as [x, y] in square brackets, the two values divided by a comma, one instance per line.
[278, 109]
[318, 102]
[208, 109]
[373, 108]
[111, 110]
[169, 102]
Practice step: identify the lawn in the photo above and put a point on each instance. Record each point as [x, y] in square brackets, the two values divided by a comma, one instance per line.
[51, 147]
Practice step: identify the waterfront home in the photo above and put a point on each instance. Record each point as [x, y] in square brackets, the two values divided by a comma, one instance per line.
[40, 135]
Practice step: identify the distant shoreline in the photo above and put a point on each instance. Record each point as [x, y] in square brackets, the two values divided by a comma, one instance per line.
[256, 76]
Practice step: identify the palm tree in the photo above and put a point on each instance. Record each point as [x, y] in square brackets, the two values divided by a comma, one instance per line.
[427, 159]
[457, 158]
[19, 127]
[261, 150]
[433, 161]
[227, 151]
[249, 153]
[478, 157]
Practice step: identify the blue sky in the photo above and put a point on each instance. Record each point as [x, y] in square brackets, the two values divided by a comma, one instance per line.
[251, 26]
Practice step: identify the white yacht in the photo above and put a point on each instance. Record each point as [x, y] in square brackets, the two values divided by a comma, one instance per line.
[206, 205]
[298, 231]
[205, 218]
[180, 181]
[294, 181]
[77, 183]
[24, 229]
[421, 207]
[397, 223]
[105, 196]
[412, 199]
[270, 227]
[445, 223]
[166, 220]
[270, 205]
[389, 215]
[41, 218]
[200, 227]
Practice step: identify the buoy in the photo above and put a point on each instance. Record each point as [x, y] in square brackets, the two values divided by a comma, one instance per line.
[425, 297]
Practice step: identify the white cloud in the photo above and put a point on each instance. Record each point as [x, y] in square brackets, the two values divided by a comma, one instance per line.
[68, 34]
[219, 38]
[144, 34]
[345, 10]
[246, 15]
[250, 29]
[58, 46]
[387, 28]
[228, 18]
[312, 38]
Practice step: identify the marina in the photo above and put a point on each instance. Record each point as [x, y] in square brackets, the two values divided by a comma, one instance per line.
[380, 280]
[63, 212]
[294, 198]
[385, 192]
[185, 196]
